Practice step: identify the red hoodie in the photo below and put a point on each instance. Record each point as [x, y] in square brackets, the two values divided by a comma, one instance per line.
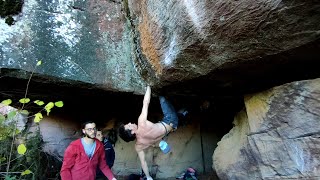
[77, 165]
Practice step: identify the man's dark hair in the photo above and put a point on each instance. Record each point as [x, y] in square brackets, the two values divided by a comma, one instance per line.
[83, 125]
[126, 134]
[112, 136]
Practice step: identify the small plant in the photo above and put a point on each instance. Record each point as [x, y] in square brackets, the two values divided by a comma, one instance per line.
[24, 162]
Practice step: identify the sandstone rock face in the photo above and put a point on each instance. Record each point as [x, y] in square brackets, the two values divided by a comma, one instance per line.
[187, 45]
[19, 120]
[182, 40]
[276, 136]
[122, 45]
[77, 41]
[57, 134]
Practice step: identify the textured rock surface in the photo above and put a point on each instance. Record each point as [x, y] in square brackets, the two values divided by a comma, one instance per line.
[121, 45]
[182, 40]
[19, 120]
[77, 41]
[275, 137]
[180, 47]
[57, 134]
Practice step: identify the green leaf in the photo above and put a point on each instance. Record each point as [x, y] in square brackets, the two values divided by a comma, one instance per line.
[2, 118]
[59, 103]
[25, 112]
[38, 102]
[48, 107]
[38, 117]
[24, 100]
[26, 172]
[6, 102]
[39, 63]
[22, 149]
[2, 159]
[11, 114]
[7, 177]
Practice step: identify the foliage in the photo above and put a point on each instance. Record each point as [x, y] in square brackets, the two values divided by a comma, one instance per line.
[24, 162]
[27, 164]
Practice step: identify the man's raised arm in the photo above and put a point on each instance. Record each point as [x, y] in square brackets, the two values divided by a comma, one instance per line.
[146, 100]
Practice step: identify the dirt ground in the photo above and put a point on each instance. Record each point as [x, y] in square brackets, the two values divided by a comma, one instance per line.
[207, 176]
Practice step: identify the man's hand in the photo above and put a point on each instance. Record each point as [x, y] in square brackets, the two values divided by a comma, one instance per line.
[149, 178]
[114, 179]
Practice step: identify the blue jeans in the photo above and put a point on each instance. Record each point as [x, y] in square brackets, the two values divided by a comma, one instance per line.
[170, 116]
